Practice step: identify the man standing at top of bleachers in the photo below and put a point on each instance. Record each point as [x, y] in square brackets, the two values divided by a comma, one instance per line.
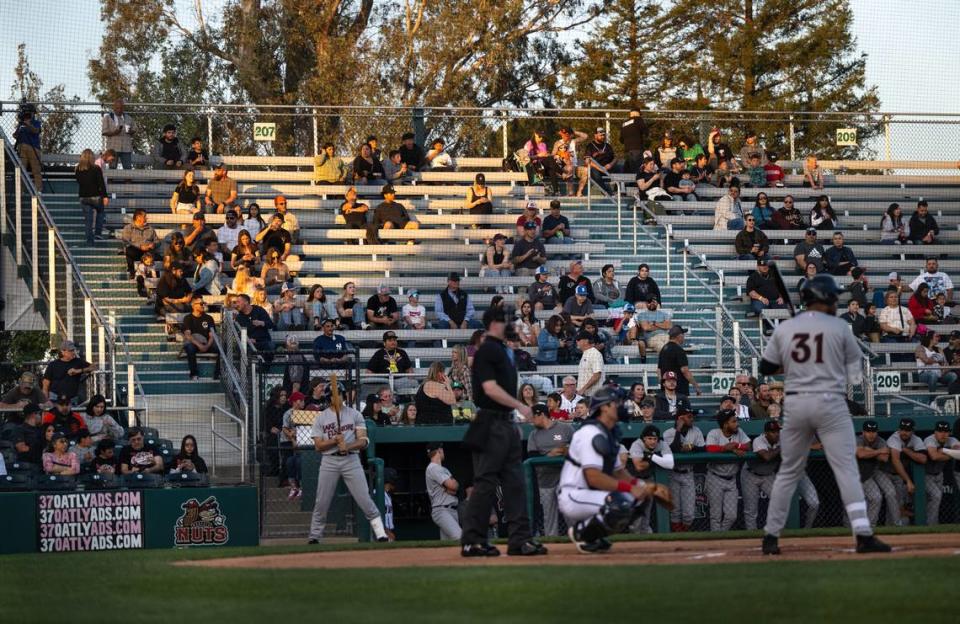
[411, 154]
[938, 281]
[221, 191]
[117, 128]
[633, 136]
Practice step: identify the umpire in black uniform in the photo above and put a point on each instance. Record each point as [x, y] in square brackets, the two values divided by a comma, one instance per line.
[495, 442]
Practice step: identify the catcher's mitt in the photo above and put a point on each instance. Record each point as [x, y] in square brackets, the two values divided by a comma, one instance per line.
[661, 494]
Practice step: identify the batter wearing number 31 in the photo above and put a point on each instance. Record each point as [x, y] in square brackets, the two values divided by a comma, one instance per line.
[817, 354]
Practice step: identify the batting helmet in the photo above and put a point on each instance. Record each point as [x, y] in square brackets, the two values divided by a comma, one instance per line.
[328, 392]
[820, 289]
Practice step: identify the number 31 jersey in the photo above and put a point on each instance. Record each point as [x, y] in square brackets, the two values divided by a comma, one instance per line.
[815, 351]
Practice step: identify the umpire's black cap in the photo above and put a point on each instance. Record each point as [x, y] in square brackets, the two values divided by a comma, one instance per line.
[871, 425]
[820, 288]
[907, 424]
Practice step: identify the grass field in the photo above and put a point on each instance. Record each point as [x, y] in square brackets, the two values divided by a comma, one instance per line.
[143, 587]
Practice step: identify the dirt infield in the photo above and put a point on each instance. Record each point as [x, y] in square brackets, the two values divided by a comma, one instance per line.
[623, 553]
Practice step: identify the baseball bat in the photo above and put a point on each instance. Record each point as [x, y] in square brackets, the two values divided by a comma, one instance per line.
[782, 288]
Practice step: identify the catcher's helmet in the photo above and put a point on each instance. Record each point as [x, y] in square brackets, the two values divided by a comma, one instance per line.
[820, 289]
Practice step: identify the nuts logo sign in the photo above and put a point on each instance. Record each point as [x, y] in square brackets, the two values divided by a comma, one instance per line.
[202, 524]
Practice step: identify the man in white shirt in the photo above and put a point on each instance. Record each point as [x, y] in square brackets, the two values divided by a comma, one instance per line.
[937, 280]
[568, 395]
[896, 321]
[438, 159]
[413, 315]
[590, 375]
[229, 233]
[728, 214]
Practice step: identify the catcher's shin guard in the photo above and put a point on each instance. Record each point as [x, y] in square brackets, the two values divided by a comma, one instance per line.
[615, 516]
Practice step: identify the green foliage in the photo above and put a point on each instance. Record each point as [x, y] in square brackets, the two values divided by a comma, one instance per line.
[18, 347]
[59, 125]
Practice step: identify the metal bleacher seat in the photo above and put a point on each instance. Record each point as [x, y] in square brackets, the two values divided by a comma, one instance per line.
[55, 483]
[16, 482]
[187, 479]
[141, 481]
[99, 481]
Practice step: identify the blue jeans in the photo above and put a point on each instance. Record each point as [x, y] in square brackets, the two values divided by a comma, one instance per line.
[932, 378]
[745, 257]
[123, 158]
[735, 224]
[757, 306]
[93, 224]
[291, 318]
[293, 465]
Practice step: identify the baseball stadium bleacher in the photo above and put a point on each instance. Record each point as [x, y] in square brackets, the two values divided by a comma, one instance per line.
[608, 229]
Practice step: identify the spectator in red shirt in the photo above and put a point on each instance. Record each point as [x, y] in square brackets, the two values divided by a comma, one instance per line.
[775, 175]
[529, 214]
[921, 305]
[553, 407]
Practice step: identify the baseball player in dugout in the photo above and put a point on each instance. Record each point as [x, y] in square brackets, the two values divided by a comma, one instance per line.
[494, 439]
[721, 480]
[340, 433]
[597, 496]
[683, 437]
[816, 352]
[442, 488]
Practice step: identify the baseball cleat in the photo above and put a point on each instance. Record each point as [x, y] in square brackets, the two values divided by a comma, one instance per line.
[771, 545]
[479, 550]
[870, 544]
[588, 548]
[313, 541]
[529, 548]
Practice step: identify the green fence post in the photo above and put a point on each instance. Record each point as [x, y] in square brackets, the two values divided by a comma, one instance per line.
[663, 516]
[363, 525]
[528, 479]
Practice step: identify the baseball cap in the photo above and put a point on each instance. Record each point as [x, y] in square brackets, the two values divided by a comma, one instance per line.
[893, 276]
[104, 444]
[942, 425]
[390, 475]
[650, 431]
[453, 277]
[530, 225]
[676, 330]
[68, 345]
[650, 297]
[585, 336]
[667, 134]
[326, 321]
[582, 290]
[907, 424]
[387, 188]
[433, 446]
[812, 231]
[541, 270]
[727, 397]
[954, 334]
[383, 289]
[413, 294]
[761, 262]
[683, 407]
[58, 435]
[540, 408]
[725, 415]
[389, 335]
[62, 398]
[771, 425]
[198, 216]
[871, 425]
[677, 161]
[284, 288]
[650, 402]
[297, 396]
[531, 205]
[600, 130]
[500, 236]
[30, 408]
[669, 375]
[629, 308]
[456, 384]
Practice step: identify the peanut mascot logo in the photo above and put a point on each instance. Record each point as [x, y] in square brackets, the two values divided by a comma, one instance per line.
[202, 524]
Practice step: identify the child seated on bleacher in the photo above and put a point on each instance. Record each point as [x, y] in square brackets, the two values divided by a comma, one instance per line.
[755, 172]
[148, 274]
[775, 175]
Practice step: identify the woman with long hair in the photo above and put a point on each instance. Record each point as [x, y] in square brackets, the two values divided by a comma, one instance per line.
[243, 283]
[542, 162]
[246, 252]
[921, 305]
[92, 191]
[188, 459]
[100, 424]
[317, 308]
[366, 168]
[527, 326]
[496, 261]
[435, 397]
[763, 212]
[275, 273]
[822, 215]
[177, 251]
[479, 199]
[527, 395]
[408, 416]
[349, 307]
[58, 460]
[893, 229]
[254, 223]
[460, 370]
[550, 341]
[186, 195]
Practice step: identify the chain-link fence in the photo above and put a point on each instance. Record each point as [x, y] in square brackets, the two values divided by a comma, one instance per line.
[302, 130]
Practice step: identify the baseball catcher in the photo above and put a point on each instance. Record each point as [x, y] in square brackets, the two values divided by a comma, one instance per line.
[340, 433]
[597, 496]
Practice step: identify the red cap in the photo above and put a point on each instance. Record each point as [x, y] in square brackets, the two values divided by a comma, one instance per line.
[297, 396]
[669, 375]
